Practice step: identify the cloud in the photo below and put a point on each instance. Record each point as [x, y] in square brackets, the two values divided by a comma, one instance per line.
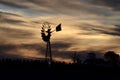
[72, 7]
[6, 48]
[92, 29]
[117, 29]
[29, 50]
[42, 7]
[12, 18]
[15, 28]
[114, 4]
[58, 46]
[32, 51]
[12, 21]
[19, 50]
[84, 26]
[9, 13]
[12, 4]
[15, 33]
[76, 8]
[114, 32]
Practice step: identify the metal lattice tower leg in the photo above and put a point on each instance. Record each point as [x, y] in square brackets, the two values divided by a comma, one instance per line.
[48, 55]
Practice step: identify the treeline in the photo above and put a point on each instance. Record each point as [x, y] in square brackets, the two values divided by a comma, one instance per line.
[111, 59]
[91, 68]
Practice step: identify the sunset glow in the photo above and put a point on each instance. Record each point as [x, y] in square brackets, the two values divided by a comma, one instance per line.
[86, 25]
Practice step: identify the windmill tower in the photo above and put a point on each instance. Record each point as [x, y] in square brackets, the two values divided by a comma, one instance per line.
[46, 35]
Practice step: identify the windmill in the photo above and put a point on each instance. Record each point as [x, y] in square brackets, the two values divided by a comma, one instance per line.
[46, 35]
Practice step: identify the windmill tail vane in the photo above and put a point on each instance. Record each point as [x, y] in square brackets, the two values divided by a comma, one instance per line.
[58, 28]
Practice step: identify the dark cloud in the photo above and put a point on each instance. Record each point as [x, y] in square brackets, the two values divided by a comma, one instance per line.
[13, 33]
[114, 4]
[117, 29]
[89, 29]
[5, 48]
[72, 7]
[52, 4]
[12, 50]
[61, 45]
[12, 21]
[36, 47]
[114, 32]
[8, 13]
[13, 4]
[16, 33]
[55, 46]
[8, 50]
[94, 29]
[108, 48]
[6, 17]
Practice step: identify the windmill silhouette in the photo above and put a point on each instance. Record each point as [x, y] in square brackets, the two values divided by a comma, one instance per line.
[46, 35]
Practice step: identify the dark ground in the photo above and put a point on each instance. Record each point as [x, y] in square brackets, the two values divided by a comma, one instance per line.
[25, 70]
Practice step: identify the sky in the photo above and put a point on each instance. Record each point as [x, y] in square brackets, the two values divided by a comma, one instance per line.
[87, 25]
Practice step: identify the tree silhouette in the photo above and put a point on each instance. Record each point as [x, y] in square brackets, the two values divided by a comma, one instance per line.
[111, 57]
